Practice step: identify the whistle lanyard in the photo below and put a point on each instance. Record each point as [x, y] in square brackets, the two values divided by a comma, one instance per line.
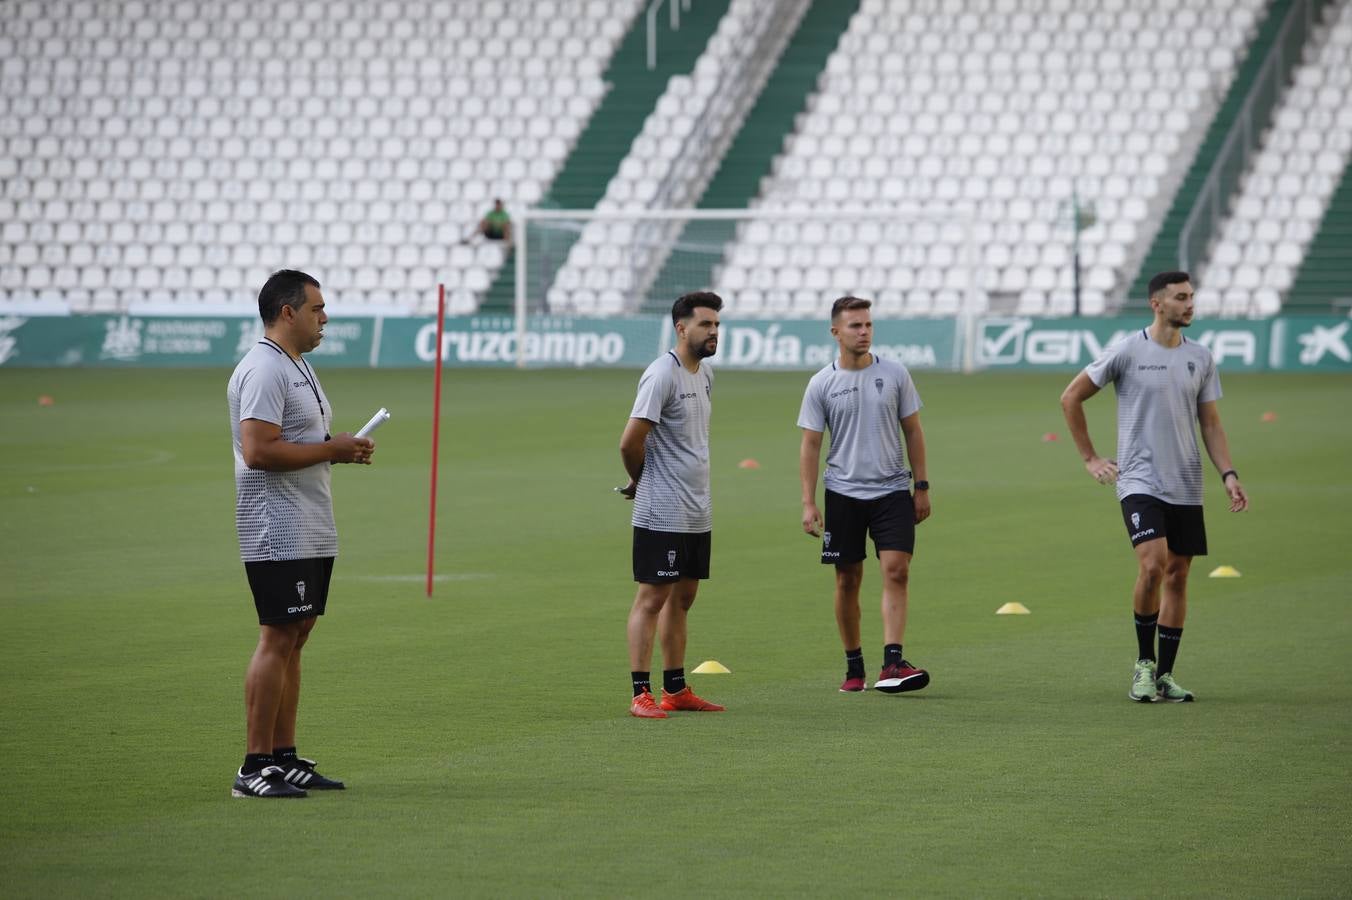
[307, 373]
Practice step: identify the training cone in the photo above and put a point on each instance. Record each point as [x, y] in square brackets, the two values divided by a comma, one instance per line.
[1269, 417]
[711, 667]
[1012, 609]
[1050, 437]
[748, 464]
[1225, 572]
[46, 400]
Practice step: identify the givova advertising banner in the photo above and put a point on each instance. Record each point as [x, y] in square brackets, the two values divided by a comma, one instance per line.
[1022, 342]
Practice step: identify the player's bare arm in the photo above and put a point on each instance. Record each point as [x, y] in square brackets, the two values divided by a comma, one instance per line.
[263, 448]
[1218, 448]
[1080, 389]
[632, 453]
[809, 459]
[914, 436]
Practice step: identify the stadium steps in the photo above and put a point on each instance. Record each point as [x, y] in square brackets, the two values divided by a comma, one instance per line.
[748, 160]
[1163, 253]
[1322, 278]
[632, 92]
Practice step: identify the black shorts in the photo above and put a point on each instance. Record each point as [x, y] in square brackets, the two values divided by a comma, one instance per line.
[1148, 518]
[890, 519]
[291, 589]
[664, 557]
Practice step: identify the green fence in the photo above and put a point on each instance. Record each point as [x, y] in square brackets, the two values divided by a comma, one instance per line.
[1282, 344]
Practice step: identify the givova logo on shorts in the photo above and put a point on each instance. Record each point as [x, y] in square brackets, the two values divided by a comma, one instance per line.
[303, 607]
[671, 570]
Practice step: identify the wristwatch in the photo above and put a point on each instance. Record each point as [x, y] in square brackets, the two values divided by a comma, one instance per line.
[922, 485]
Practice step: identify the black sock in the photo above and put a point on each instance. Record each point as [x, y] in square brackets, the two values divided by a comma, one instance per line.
[673, 680]
[1145, 635]
[641, 683]
[255, 763]
[284, 754]
[1169, 638]
[891, 655]
[854, 663]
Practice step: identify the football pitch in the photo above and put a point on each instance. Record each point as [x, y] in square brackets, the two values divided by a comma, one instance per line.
[483, 733]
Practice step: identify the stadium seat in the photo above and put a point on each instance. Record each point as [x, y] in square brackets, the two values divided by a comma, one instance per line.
[170, 131]
[984, 117]
[1284, 195]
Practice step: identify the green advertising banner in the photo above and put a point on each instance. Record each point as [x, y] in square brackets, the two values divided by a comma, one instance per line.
[1312, 344]
[161, 341]
[807, 344]
[1023, 342]
[549, 341]
[1289, 343]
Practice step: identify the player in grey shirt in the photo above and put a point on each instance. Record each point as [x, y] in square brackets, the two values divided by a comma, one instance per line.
[665, 451]
[279, 422]
[1167, 387]
[867, 404]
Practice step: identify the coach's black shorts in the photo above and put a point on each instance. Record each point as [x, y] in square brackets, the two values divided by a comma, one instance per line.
[663, 557]
[890, 519]
[1148, 518]
[291, 589]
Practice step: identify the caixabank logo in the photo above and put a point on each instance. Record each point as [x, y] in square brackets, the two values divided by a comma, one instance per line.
[1024, 342]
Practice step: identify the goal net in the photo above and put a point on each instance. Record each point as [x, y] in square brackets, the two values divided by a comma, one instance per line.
[912, 262]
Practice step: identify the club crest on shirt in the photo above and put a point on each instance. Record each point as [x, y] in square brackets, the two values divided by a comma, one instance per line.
[1135, 520]
[671, 557]
[1192, 369]
[878, 383]
[300, 590]
[826, 538]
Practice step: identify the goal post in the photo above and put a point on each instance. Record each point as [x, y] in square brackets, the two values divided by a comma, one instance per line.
[916, 262]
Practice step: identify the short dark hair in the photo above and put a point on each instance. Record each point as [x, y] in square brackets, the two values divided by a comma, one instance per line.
[1164, 279]
[685, 305]
[285, 287]
[848, 302]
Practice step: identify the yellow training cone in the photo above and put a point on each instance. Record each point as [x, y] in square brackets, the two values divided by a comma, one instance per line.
[711, 667]
[1225, 572]
[1012, 609]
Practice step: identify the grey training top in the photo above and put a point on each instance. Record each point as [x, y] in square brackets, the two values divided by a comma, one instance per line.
[281, 515]
[1158, 391]
[673, 494]
[863, 409]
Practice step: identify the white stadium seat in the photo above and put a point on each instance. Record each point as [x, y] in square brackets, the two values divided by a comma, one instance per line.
[1284, 195]
[167, 122]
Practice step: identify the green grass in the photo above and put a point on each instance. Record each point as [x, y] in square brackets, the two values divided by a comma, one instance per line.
[483, 732]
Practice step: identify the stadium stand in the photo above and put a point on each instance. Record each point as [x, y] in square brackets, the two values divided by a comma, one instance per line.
[1288, 188]
[672, 158]
[171, 154]
[164, 155]
[633, 89]
[1164, 250]
[752, 152]
[1004, 110]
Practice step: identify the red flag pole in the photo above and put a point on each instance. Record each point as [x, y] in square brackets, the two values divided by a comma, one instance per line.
[436, 433]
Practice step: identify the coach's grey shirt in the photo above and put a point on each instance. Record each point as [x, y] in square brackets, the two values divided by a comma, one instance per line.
[1158, 390]
[863, 409]
[281, 515]
[673, 494]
